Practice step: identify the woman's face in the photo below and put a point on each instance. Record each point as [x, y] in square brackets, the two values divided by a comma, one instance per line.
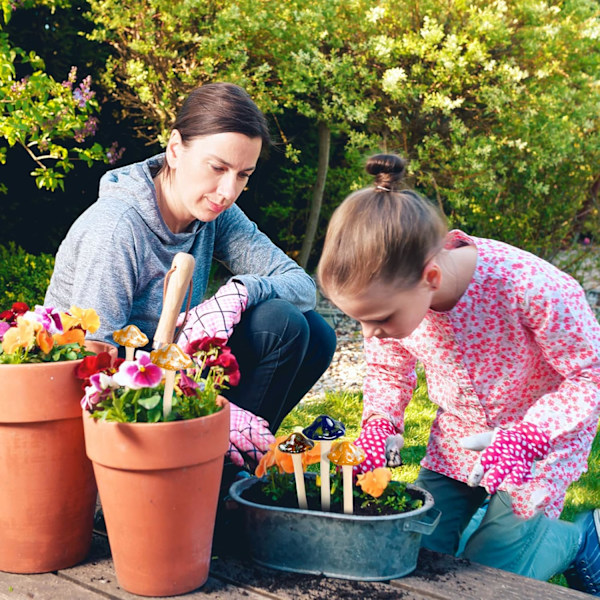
[207, 175]
[385, 311]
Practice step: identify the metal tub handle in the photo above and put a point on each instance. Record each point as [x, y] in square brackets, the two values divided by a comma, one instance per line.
[427, 525]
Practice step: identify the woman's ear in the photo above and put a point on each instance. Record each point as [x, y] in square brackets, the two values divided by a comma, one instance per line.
[174, 149]
[432, 276]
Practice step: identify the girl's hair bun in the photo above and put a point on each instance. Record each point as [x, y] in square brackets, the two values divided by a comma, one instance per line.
[388, 170]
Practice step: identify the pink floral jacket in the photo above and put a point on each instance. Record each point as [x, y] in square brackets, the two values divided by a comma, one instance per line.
[522, 344]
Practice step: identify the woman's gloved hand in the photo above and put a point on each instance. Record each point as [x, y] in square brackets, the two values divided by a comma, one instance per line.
[381, 444]
[508, 455]
[215, 317]
[249, 437]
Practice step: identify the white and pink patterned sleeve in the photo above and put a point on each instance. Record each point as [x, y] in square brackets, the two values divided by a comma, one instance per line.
[389, 381]
[566, 330]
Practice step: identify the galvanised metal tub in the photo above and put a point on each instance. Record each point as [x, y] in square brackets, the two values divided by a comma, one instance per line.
[364, 548]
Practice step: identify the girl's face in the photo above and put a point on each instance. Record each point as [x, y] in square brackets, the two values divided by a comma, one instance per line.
[207, 176]
[385, 311]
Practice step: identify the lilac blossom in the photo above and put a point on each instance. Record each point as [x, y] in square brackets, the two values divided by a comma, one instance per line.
[139, 373]
[82, 93]
[113, 154]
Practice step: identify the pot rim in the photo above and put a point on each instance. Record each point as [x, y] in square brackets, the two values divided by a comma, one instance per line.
[238, 487]
[93, 345]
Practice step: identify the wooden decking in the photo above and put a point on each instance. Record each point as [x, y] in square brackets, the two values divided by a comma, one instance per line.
[437, 577]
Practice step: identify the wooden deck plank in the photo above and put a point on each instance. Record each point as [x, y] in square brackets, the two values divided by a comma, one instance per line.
[43, 586]
[291, 586]
[97, 572]
[438, 573]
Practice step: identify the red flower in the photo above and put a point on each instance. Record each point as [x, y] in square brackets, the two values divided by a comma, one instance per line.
[206, 344]
[10, 315]
[228, 362]
[100, 363]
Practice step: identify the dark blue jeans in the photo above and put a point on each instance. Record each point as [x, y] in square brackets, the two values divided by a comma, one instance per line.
[281, 352]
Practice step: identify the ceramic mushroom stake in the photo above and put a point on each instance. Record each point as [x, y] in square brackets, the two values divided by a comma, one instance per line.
[131, 337]
[171, 358]
[347, 455]
[325, 429]
[295, 444]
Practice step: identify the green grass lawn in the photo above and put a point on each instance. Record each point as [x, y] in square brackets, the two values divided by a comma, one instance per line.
[347, 407]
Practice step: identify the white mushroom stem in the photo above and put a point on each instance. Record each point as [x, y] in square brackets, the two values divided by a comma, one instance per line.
[347, 479]
[299, 476]
[325, 484]
[129, 352]
[168, 395]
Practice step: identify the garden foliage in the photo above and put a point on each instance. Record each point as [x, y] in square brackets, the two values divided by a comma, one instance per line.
[496, 104]
[24, 277]
[51, 120]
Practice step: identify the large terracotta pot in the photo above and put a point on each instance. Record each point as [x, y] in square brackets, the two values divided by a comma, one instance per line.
[47, 486]
[159, 486]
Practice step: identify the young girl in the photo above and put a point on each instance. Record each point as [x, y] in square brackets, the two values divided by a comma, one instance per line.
[115, 257]
[510, 347]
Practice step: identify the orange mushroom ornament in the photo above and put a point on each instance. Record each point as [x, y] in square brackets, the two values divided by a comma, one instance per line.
[171, 358]
[347, 455]
[131, 337]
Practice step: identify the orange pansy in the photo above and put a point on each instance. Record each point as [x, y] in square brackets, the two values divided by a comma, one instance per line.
[73, 336]
[283, 460]
[375, 481]
[44, 341]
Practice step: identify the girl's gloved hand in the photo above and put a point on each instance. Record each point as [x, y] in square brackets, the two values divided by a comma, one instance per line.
[249, 437]
[509, 457]
[375, 440]
[215, 317]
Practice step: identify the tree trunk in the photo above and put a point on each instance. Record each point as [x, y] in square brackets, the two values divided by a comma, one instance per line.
[317, 199]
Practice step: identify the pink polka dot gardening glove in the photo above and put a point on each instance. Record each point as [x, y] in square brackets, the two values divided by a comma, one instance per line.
[249, 437]
[509, 457]
[215, 317]
[381, 444]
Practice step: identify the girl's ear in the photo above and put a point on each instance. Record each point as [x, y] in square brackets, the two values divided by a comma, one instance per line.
[174, 149]
[432, 276]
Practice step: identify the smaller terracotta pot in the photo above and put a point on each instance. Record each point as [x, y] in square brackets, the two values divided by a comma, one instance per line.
[48, 492]
[159, 486]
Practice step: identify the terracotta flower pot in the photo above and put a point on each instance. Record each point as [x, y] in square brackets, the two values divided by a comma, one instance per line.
[48, 491]
[159, 486]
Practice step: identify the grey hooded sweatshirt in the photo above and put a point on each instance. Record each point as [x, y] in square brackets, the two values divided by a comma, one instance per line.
[115, 256]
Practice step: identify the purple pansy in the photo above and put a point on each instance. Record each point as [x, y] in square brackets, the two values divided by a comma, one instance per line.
[4, 327]
[47, 317]
[139, 373]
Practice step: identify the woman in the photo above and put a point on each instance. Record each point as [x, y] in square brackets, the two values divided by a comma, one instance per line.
[116, 255]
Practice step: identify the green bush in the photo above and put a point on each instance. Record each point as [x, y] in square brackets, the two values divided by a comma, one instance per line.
[23, 277]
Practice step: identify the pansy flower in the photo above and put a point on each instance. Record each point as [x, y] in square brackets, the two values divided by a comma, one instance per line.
[85, 318]
[283, 460]
[21, 336]
[374, 482]
[187, 385]
[47, 317]
[139, 373]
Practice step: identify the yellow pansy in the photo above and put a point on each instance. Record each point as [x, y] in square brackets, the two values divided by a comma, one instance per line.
[21, 336]
[86, 318]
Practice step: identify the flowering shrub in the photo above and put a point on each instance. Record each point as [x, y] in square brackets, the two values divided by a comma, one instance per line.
[132, 391]
[44, 334]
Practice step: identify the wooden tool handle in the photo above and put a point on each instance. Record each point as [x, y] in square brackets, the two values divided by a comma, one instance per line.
[177, 282]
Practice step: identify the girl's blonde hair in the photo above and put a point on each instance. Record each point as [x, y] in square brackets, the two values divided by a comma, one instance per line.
[381, 232]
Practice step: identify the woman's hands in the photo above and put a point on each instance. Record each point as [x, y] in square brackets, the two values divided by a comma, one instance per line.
[249, 437]
[215, 317]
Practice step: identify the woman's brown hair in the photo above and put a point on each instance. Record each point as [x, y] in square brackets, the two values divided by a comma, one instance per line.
[381, 232]
[220, 108]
